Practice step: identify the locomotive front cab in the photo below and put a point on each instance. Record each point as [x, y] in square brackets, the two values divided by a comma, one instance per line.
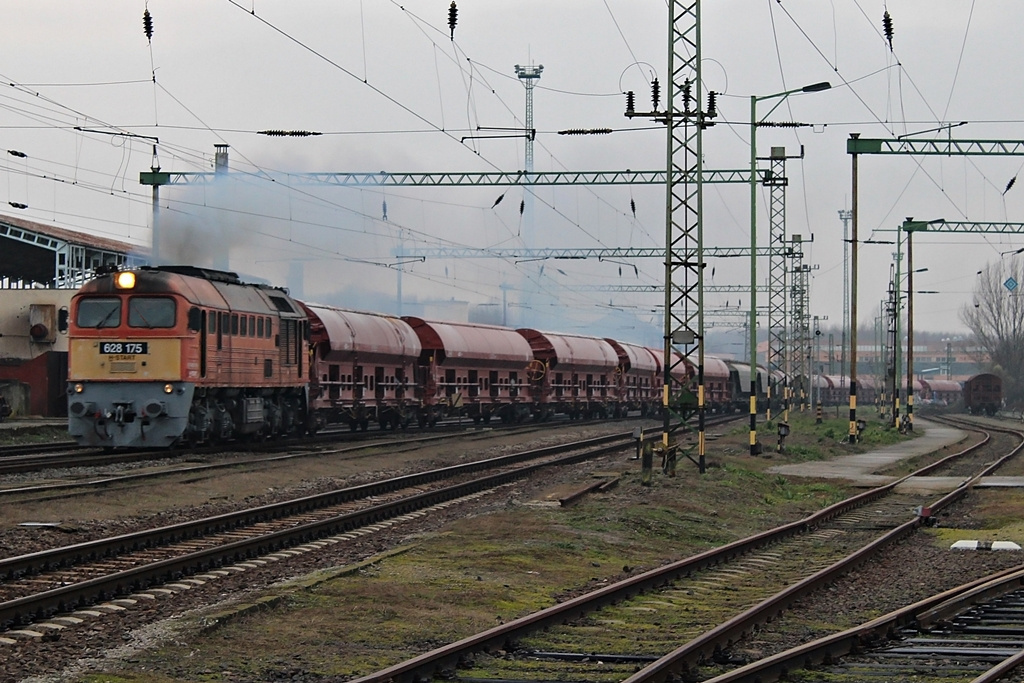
[125, 364]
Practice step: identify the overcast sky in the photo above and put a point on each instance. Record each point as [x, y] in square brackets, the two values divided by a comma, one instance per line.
[389, 90]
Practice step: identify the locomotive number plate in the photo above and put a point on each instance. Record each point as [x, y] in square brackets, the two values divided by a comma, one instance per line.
[123, 348]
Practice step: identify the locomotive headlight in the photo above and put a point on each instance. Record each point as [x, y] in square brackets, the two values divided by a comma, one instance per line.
[125, 280]
[168, 388]
[79, 388]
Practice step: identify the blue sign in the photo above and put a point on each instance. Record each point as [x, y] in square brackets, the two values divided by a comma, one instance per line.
[1010, 284]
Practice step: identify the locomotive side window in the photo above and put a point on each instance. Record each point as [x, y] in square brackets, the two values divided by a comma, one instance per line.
[259, 327]
[243, 331]
[151, 311]
[99, 312]
[234, 323]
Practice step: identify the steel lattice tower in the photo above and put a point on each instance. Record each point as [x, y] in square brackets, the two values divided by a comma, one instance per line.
[684, 237]
[777, 183]
[800, 337]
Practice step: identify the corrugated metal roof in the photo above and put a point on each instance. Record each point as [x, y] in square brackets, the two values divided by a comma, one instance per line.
[73, 237]
[36, 253]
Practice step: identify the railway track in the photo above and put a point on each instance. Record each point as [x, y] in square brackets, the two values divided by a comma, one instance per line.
[38, 586]
[38, 457]
[630, 631]
[971, 633]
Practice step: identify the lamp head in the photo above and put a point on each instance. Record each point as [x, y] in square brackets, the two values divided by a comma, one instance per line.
[816, 87]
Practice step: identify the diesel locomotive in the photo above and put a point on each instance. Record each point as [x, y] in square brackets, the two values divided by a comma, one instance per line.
[158, 356]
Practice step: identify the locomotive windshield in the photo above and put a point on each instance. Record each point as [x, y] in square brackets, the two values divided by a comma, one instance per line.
[99, 312]
[151, 311]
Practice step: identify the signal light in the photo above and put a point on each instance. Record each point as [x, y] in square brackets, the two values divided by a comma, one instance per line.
[124, 280]
[147, 24]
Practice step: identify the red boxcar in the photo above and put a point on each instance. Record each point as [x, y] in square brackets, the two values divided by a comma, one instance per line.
[479, 370]
[363, 368]
[638, 385]
[575, 374]
[983, 394]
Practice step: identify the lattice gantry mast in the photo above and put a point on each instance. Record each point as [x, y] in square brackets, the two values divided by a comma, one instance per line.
[777, 267]
[684, 238]
[799, 328]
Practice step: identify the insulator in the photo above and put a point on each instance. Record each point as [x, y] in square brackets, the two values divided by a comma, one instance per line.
[655, 93]
[147, 24]
[1010, 184]
[453, 18]
[16, 153]
[687, 94]
[630, 102]
[18, 205]
[887, 27]
[272, 132]
[498, 200]
[632, 206]
[712, 104]
[522, 206]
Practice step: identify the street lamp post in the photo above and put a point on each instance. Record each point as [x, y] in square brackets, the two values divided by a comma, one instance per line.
[754, 99]
[910, 226]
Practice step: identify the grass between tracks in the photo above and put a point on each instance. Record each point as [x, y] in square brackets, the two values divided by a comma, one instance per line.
[478, 572]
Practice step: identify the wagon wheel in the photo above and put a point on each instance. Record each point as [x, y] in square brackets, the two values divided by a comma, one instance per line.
[536, 370]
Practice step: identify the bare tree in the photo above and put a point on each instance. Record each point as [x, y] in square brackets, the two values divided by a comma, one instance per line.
[997, 320]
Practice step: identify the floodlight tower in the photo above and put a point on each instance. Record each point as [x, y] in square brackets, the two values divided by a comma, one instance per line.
[529, 75]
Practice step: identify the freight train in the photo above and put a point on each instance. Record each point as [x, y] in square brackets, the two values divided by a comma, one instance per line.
[160, 356]
[170, 355]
